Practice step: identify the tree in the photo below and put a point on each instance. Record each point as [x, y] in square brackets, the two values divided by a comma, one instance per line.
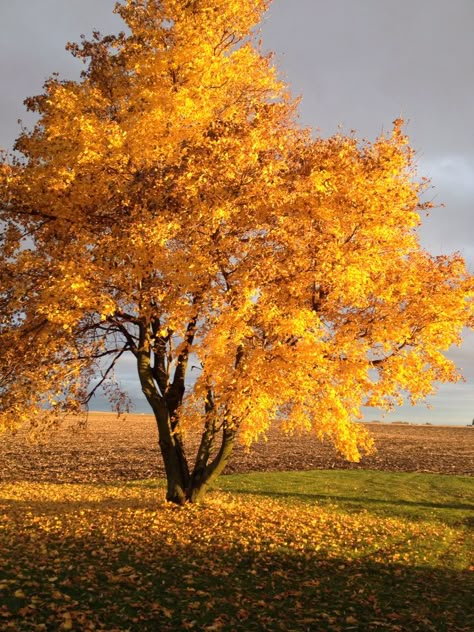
[168, 205]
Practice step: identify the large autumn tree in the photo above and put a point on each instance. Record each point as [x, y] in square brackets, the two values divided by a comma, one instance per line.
[169, 206]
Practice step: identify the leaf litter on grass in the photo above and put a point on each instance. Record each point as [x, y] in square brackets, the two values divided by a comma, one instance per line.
[114, 557]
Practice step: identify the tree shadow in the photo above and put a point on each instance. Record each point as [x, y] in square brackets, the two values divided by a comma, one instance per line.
[395, 506]
[154, 584]
[337, 497]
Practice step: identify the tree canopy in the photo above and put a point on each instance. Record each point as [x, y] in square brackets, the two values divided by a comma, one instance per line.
[169, 205]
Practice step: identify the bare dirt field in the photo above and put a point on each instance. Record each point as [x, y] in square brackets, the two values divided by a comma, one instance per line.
[111, 449]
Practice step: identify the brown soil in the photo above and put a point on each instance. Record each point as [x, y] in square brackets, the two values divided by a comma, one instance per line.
[126, 449]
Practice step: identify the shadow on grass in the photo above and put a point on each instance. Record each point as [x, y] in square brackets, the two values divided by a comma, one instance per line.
[451, 512]
[153, 584]
[334, 497]
[395, 508]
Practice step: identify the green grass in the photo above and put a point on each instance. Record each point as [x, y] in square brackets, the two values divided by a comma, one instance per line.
[430, 497]
[284, 551]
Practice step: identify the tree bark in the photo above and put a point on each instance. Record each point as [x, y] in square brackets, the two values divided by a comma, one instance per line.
[204, 474]
[182, 486]
[172, 452]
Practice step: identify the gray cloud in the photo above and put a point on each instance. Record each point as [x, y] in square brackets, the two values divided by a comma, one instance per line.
[32, 46]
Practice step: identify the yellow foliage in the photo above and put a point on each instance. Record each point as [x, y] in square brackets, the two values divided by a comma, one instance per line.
[169, 206]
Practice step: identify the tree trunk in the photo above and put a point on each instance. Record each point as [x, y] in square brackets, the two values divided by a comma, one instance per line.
[177, 478]
[181, 486]
[172, 452]
[204, 474]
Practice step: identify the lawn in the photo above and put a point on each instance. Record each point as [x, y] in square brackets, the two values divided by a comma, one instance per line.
[323, 550]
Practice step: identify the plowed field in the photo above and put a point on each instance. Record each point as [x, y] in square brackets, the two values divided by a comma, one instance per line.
[111, 449]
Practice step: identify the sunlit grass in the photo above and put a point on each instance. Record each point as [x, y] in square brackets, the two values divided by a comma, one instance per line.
[417, 496]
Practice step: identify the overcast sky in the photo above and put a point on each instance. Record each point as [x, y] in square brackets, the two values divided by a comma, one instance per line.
[358, 64]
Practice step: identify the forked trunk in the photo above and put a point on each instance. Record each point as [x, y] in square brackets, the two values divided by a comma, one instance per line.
[182, 487]
[169, 439]
[205, 473]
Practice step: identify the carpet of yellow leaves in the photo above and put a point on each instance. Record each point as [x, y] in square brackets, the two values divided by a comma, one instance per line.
[116, 558]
